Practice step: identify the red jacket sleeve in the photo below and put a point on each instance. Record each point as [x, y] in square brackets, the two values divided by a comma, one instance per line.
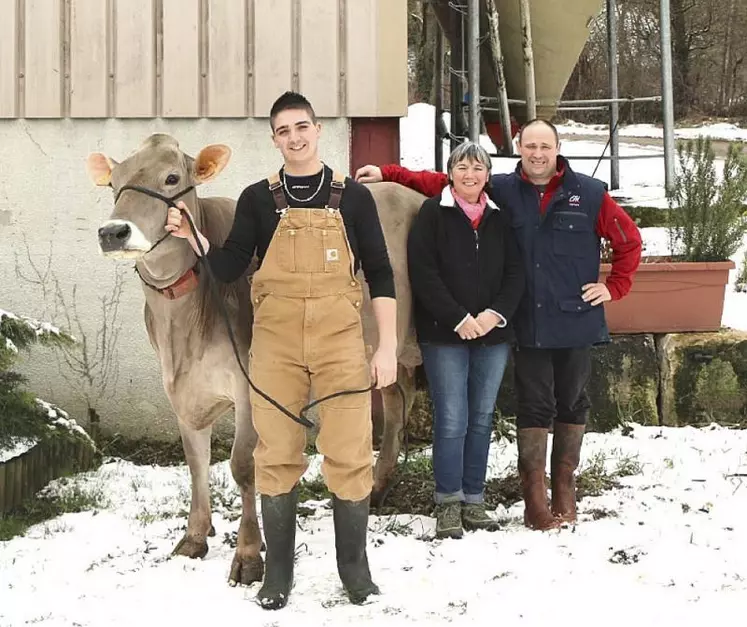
[619, 229]
[427, 183]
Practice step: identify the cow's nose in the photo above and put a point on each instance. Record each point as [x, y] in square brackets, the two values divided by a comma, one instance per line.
[113, 237]
[115, 232]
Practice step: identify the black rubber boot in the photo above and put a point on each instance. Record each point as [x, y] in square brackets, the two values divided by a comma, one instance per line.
[351, 526]
[279, 525]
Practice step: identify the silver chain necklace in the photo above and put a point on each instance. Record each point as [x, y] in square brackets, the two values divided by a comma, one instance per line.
[310, 198]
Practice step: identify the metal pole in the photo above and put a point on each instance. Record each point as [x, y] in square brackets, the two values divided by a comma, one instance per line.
[580, 102]
[457, 65]
[473, 68]
[438, 79]
[500, 78]
[528, 46]
[667, 101]
[614, 107]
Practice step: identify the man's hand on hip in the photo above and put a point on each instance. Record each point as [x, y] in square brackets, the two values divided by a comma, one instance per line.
[596, 293]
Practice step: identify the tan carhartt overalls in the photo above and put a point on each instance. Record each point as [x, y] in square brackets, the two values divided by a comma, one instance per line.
[307, 335]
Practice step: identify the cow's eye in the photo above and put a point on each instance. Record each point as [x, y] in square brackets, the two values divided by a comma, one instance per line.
[172, 179]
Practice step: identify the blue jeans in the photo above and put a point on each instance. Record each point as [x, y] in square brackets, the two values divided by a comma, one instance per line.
[463, 381]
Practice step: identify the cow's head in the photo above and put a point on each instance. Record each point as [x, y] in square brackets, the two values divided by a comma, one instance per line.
[137, 222]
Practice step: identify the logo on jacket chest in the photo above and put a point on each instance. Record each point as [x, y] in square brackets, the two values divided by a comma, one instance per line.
[574, 201]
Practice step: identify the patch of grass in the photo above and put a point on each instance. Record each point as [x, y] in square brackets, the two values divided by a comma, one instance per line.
[595, 478]
[148, 518]
[599, 513]
[413, 493]
[71, 500]
[315, 490]
[152, 452]
[398, 528]
[628, 467]
[504, 427]
[503, 491]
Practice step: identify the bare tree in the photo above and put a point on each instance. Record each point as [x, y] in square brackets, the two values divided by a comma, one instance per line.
[90, 365]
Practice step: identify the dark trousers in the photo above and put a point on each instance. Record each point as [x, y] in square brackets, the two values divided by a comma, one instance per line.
[551, 385]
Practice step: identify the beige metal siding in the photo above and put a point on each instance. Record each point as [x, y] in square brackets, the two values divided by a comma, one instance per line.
[360, 57]
[180, 83]
[318, 68]
[134, 58]
[392, 46]
[273, 51]
[226, 68]
[42, 72]
[201, 58]
[89, 82]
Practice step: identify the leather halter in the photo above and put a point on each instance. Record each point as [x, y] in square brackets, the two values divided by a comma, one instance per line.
[186, 283]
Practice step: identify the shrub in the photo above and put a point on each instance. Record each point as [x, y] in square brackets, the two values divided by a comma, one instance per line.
[706, 217]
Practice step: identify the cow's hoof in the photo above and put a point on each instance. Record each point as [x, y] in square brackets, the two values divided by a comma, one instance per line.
[246, 570]
[378, 495]
[192, 547]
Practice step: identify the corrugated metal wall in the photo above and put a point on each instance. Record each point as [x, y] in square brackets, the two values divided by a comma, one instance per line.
[201, 58]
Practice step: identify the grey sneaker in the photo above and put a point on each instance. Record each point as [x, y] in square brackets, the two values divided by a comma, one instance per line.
[475, 517]
[449, 520]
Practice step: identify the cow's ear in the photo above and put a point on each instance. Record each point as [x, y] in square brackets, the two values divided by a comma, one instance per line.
[100, 168]
[210, 162]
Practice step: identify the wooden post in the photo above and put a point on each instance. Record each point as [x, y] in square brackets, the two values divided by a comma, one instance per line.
[500, 77]
[10, 484]
[31, 469]
[3, 491]
[39, 466]
[18, 481]
[528, 46]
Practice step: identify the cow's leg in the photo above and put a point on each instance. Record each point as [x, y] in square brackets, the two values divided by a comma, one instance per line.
[247, 565]
[391, 441]
[197, 453]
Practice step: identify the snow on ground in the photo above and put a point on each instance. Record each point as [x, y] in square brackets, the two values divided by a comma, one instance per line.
[666, 548]
[16, 447]
[720, 130]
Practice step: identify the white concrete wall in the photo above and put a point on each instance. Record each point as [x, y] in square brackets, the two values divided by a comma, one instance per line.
[47, 199]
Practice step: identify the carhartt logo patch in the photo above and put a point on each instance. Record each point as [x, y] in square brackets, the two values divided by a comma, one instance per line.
[333, 254]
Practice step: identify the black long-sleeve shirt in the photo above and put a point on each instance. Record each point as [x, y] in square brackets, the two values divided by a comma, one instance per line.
[256, 220]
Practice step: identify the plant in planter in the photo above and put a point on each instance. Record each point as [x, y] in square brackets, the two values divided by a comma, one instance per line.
[684, 291]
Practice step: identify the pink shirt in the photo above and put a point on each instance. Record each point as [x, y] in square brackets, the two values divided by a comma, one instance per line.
[473, 211]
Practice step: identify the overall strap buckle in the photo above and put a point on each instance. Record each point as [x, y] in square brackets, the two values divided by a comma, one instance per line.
[337, 186]
[276, 188]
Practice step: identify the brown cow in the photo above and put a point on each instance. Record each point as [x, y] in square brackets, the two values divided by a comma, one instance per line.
[200, 374]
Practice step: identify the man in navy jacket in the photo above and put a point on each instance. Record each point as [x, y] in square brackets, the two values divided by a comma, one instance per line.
[559, 218]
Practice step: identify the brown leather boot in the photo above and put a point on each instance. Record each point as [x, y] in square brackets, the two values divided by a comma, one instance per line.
[532, 457]
[566, 452]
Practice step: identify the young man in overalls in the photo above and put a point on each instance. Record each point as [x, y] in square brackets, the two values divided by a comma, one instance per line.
[311, 230]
